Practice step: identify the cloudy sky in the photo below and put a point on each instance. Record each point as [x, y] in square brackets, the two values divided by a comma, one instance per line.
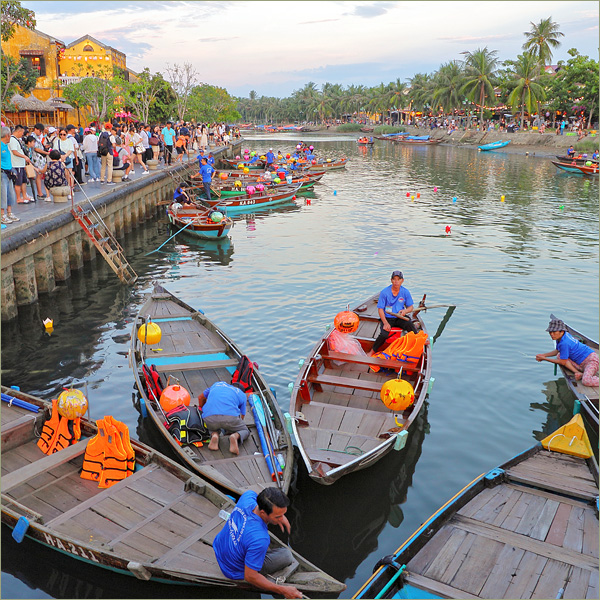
[277, 47]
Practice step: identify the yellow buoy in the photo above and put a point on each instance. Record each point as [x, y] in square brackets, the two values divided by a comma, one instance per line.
[397, 394]
[571, 438]
[149, 334]
[72, 404]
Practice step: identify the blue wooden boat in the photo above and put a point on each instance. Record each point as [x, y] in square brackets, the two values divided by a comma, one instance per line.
[494, 146]
[527, 529]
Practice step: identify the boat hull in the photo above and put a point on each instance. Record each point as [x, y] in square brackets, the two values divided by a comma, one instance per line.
[493, 146]
[201, 229]
[236, 205]
[578, 169]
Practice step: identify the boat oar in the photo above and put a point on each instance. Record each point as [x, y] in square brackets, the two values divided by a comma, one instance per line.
[20, 403]
[170, 238]
[267, 452]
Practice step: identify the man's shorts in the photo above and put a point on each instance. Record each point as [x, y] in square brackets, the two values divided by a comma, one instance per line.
[21, 175]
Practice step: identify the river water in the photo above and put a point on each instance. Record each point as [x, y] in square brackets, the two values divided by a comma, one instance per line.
[279, 282]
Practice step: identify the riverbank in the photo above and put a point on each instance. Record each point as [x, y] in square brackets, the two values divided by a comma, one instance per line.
[525, 143]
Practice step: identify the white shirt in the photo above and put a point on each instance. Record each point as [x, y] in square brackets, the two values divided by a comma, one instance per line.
[17, 161]
[90, 143]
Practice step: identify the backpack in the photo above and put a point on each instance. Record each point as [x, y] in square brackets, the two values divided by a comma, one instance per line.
[116, 159]
[104, 144]
[152, 379]
[243, 374]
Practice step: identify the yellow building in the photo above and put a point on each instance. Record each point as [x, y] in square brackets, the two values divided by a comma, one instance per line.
[42, 52]
[86, 57]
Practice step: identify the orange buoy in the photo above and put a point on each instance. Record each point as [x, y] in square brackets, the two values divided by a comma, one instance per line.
[173, 396]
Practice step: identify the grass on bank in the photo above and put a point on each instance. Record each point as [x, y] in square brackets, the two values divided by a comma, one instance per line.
[349, 127]
[586, 145]
[387, 129]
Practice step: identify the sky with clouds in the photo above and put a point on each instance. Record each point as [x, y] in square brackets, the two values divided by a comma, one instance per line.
[275, 48]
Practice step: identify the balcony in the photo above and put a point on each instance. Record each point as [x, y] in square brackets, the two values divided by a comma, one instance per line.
[64, 80]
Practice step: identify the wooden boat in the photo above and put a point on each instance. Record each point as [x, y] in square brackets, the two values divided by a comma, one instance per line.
[339, 421]
[576, 168]
[586, 396]
[527, 529]
[305, 179]
[364, 142]
[236, 205]
[367, 129]
[579, 160]
[494, 145]
[156, 524]
[329, 165]
[197, 353]
[196, 222]
[417, 140]
[233, 163]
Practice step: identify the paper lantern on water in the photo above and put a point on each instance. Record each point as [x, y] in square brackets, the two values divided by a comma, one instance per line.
[346, 321]
[397, 394]
[72, 404]
[408, 194]
[223, 176]
[149, 334]
[174, 396]
[216, 217]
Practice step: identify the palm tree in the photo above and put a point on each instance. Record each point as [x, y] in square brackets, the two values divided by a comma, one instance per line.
[541, 39]
[528, 92]
[379, 101]
[355, 96]
[480, 71]
[421, 91]
[396, 95]
[449, 80]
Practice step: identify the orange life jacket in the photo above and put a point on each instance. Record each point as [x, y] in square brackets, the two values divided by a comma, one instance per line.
[126, 441]
[115, 457]
[55, 434]
[94, 454]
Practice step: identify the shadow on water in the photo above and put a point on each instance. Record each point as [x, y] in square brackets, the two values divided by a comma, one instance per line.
[350, 515]
[48, 571]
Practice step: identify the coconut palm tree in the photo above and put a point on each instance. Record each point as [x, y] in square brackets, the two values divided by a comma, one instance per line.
[528, 93]
[396, 96]
[379, 101]
[420, 93]
[542, 39]
[449, 80]
[480, 70]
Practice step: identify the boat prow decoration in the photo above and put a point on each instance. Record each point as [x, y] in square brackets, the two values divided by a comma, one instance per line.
[571, 438]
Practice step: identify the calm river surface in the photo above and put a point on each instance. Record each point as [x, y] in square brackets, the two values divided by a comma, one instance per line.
[281, 280]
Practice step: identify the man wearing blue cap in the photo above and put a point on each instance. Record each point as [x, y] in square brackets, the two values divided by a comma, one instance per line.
[394, 303]
[206, 171]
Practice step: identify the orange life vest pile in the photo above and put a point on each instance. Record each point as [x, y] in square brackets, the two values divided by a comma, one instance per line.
[407, 349]
[109, 456]
[59, 432]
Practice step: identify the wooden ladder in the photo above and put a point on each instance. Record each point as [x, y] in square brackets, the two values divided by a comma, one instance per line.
[106, 243]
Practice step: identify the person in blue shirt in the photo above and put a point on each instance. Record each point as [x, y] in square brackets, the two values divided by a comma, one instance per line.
[206, 171]
[168, 137]
[570, 151]
[224, 407]
[211, 159]
[270, 159]
[572, 354]
[394, 303]
[243, 547]
[595, 155]
[9, 197]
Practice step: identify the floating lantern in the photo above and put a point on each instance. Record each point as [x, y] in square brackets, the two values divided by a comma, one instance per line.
[448, 229]
[72, 404]
[412, 198]
[501, 198]
[418, 194]
[562, 207]
[346, 321]
[335, 192]
[149, 333]
[174, 396]
[408, 194]
[48, 323]
[308, 202]
[435, 189]
[454, 199]
[397, 394]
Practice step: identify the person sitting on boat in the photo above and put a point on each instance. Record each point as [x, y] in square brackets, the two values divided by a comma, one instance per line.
[180, 196]
[595, 155]
[211, 159]
[224, 407]
[571, 151]
[270, 160]
[572, 354]
[206, 171]
[394, 303]
[243, 549]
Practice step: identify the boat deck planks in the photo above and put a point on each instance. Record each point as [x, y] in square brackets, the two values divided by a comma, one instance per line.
[515, 541]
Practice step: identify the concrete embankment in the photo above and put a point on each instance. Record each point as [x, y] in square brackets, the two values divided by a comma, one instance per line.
[48, 244]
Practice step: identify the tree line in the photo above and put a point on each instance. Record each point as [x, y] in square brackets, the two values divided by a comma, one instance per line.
[478, 83]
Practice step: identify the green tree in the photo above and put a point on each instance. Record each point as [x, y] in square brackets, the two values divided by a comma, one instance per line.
[13, 15]
[141, 95]
[542, 39]
[448, 83]
[16, 77]
[420, 93]
[183, 78]
[99, 92]
[208, 104]
[379, 101]
[527, 93]
[580, 75]
[480, 70]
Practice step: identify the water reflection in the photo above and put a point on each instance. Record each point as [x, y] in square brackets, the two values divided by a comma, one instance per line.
[350, 515]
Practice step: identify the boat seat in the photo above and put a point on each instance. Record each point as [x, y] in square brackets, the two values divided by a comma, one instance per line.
[359, 384]
[212, 364]
[43, 465]
[361, 359]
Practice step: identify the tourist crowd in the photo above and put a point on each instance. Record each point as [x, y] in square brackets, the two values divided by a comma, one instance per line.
[47, 158]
